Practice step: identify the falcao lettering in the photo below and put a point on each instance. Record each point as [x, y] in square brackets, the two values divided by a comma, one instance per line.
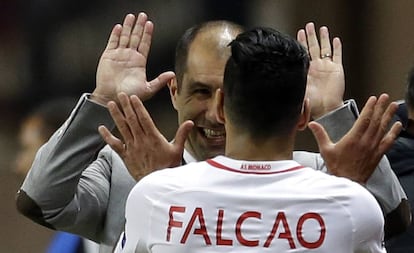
[200, 228]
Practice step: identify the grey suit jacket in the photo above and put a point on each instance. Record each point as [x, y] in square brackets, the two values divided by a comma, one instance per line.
[79, 185]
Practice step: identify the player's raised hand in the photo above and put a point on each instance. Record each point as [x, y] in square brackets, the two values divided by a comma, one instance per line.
[143, 149]
[326, 80]
[358, 153]
[122, 66]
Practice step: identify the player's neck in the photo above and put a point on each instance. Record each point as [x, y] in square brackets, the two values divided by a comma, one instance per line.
[242, 147]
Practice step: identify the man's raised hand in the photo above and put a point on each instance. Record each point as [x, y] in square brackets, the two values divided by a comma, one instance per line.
[326, 80]
[122, 66]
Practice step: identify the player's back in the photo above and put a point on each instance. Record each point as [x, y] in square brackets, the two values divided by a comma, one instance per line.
[225, 205]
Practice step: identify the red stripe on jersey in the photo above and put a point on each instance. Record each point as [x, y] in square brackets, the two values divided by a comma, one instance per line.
[221, 166]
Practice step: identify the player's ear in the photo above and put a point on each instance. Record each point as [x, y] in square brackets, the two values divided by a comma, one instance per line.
[219, 106]
[304, 115]
[173, 87]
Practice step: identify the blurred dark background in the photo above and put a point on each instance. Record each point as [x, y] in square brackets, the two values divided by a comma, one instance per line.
[50, 48]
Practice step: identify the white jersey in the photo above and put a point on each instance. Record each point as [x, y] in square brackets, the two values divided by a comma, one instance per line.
[226, 205]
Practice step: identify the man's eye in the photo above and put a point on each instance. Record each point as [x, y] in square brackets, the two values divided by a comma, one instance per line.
[202, 91]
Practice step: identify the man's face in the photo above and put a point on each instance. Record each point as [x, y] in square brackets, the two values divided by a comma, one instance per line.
[195, 101]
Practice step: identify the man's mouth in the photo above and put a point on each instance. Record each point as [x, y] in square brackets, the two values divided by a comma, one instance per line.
[213, 134]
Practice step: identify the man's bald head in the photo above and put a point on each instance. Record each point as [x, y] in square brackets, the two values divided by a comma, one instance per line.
[212, 35]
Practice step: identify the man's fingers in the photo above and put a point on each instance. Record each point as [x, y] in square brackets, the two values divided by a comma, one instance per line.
[313, 44]
[325, 42]
[182, 133]
[321, 136]
[157, 83]
[301, 37]
[115, 143]
[145, 44]
[137, 31]
[337, 50]
[113, 40]
[126, 30]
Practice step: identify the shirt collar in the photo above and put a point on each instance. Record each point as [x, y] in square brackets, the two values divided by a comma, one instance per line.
[188, 158]
[254, 167]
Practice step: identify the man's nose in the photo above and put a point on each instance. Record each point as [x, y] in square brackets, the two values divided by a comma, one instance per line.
[211, 113]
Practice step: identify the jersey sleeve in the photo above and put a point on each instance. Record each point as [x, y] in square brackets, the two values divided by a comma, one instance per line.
[383, 183]
[138, 216]
[368, 222]
[68, 185]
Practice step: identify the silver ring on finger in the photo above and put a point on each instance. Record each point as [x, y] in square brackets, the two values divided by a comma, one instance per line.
[327, 55]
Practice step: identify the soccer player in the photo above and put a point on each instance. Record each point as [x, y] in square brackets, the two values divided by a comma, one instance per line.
[256, 197]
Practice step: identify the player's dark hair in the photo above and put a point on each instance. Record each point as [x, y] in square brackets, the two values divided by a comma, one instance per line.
[265, 82]
[183, 45]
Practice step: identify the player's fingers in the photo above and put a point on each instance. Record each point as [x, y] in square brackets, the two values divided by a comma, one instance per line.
[115, 143]
[136, 34]
[386, 118]
[130, 117]
[119, 120]
[337, 50]
[145, 121]
[313, 44]
[376, 129]
[390, 137]
[321, 136]
[126, 30]
[145, 44]
[389, 113]
[326, 50]
[363, 121]
[113, 40]
[182, 133]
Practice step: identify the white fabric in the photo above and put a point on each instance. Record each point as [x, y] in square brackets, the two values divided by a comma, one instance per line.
[188, 158]
[226, 205]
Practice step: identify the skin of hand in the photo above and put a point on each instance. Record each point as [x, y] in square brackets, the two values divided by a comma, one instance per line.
[326, 79]
[145, 149]
[358, 153]
[122, 66]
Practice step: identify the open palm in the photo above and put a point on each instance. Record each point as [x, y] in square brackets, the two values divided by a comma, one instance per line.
[326, 79]
[122, 67]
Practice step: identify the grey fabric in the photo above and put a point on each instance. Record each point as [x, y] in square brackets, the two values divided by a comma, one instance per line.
[338, 122]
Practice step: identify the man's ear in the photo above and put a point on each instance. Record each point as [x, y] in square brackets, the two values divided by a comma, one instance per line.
[219, 106]
[304, 115]
[172, 86]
